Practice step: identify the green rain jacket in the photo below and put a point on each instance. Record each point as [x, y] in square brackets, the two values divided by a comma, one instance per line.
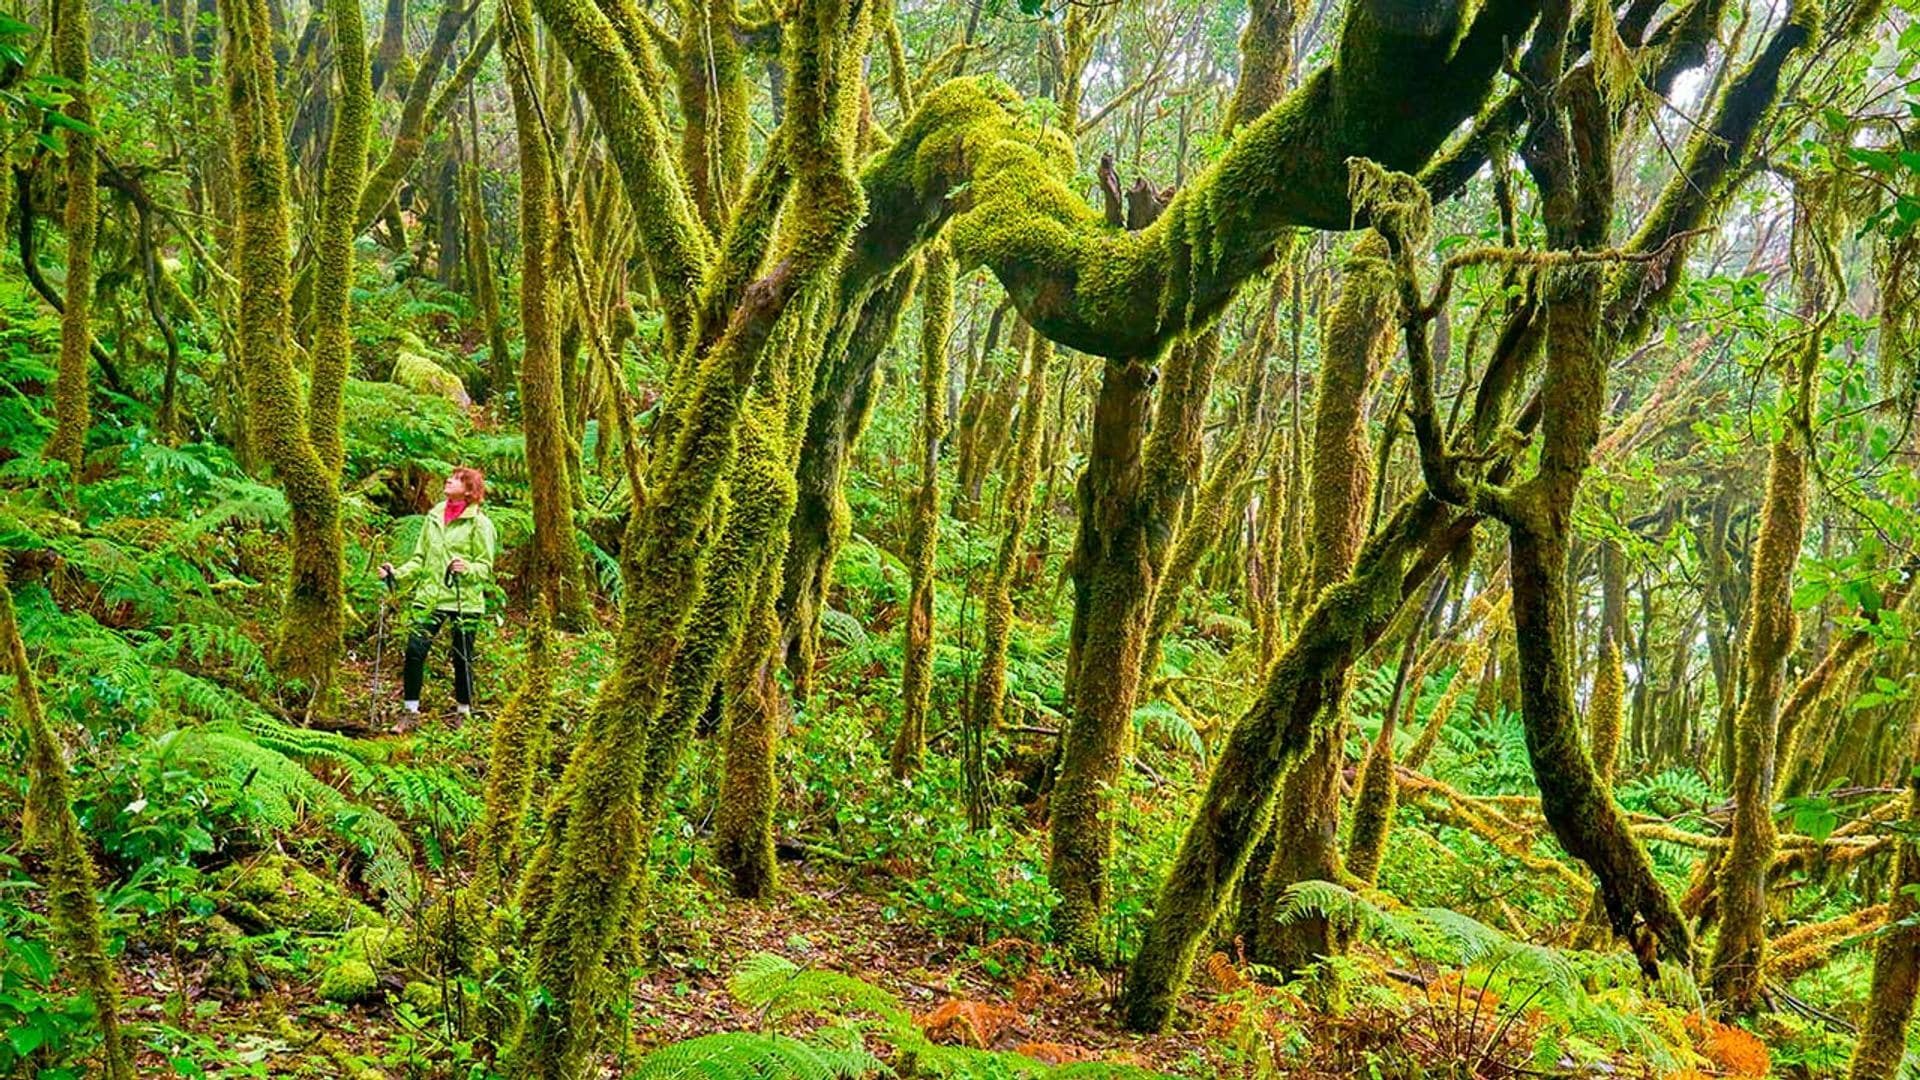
[469, 537]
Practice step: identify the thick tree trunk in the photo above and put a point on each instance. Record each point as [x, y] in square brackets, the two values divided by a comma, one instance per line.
[1113, 583]
[309, 644]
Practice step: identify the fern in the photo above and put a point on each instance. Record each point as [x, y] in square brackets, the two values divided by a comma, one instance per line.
[779, 990]
[279, 792]
[1549, 979]
[746, 1055]
[1166, 725]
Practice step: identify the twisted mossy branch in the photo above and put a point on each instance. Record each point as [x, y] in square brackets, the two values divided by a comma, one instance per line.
[1399, 84]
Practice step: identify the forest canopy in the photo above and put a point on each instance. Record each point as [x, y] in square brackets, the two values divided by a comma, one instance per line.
[1012, 538]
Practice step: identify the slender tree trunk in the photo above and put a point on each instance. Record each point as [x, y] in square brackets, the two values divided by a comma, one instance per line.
[1270, 738]
[1896, 959]
[54, 835]
[1306, 824]
[1739, 952]
[346, 167]
[554, 563]
[842, 399]
[72, 34]
[916, 689]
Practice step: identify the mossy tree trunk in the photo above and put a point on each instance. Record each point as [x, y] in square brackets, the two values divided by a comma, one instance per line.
[754, 701]
[1270, 737]
[842, 400]
[519, 736]
[72, 45]
[1129, 496]
[1306, 823]
[989, 690]
[53, 833]
[1737, 972]
[346, 167]
[1882, 1044]
[582, 882]
[309, 644]
[554, 562]
[916, 681]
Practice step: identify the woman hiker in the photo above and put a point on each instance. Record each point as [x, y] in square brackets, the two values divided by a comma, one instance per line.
[448, 572]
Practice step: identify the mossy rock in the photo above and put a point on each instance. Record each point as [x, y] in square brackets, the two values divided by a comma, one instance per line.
[231, 962]
[354, 971]
[276, 893]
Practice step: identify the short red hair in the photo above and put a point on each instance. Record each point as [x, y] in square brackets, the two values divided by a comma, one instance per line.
[474, 481]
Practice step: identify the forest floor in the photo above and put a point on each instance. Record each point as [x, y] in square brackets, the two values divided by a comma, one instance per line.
[996, 997]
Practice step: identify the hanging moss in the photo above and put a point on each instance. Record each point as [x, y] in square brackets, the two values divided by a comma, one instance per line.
[1115, 293]
[916, 683]
[53, 833]
[72, 43]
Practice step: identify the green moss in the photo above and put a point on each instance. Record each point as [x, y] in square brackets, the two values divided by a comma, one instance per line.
[52, 832]
[990, 686]
[309, 644]
[1266, 741]
[555, 559]
[916, 681]
[1608, 708]
[274, 892]
[343, 176]
[72, 30]
[583, 879]
[354, 971]
[1737, 975]
[519, 737]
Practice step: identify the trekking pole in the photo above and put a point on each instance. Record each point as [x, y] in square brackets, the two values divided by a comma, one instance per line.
[379, 651]
[459, 616]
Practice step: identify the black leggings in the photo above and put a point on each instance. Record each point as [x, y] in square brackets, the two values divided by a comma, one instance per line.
[426, 627]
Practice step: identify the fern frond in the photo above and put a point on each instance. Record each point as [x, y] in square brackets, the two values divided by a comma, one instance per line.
[746, 1055]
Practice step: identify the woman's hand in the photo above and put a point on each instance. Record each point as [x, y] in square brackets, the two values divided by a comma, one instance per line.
[386, 570]
[458, 566]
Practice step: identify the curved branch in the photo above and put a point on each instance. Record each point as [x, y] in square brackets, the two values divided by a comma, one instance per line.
[1403, 79]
